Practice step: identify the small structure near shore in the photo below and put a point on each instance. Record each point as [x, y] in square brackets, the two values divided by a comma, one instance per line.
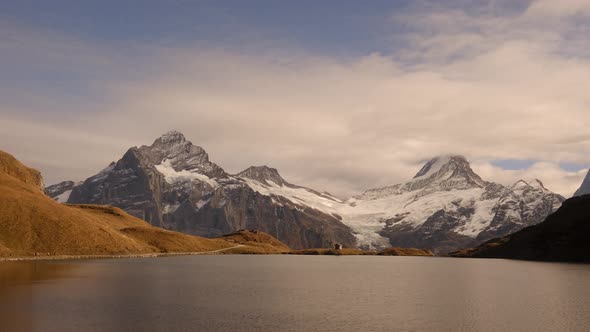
[337, 246]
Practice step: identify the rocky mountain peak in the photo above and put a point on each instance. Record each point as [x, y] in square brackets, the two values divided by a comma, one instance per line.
[449, 172]
[263, 174]
[519, 184]
[173, 143]
[442, 163]
[535, 184]
[585, 187]
[171, 137]
[443, 173]
[180, 154]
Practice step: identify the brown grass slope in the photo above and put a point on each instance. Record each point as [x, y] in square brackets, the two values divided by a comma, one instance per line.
[11, 166]
[31, 222]
[394, 251]
[255, 242]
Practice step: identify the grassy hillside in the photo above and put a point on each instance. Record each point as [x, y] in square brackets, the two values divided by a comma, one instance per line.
[255, 242]
[32, 224]
[12, 167]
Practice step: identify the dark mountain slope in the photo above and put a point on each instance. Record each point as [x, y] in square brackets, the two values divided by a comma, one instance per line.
[563, 236]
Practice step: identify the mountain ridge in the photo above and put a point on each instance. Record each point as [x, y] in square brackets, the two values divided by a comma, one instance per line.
[445, 206]
[263, 174]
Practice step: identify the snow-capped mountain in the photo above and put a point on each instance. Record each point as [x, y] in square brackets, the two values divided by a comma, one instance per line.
[172, 184]
[446, 206]
[61, 191]
[267, 181]
[585, 187]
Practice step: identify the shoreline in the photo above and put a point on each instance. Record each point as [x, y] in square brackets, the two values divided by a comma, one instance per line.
[83, 257]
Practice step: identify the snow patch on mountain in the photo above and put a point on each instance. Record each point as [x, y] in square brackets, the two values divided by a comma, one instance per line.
[63, 197]
[366, 230]
[202, 203]
[412, 210]
[61, 191]
[585, 187]
[170, 208]
[480, 220]
[433, 166]
[298, 195]
[173, 176]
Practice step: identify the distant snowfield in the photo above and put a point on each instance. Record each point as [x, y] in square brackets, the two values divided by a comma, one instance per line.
[63, 198]
[364, 225]
[172, 176]
[367, 217]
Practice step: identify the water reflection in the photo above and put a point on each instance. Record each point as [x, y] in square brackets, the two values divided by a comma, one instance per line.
[294, 293]
[18, 294]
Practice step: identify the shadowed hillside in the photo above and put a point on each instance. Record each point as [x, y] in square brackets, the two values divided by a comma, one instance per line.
[563, 236]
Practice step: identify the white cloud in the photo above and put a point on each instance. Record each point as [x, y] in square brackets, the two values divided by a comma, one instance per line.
[558, 9]
[553, 177]
[477, 83]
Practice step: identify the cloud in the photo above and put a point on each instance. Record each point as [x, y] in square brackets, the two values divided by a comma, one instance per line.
[553, 177]
[485, 82]
[558, 9]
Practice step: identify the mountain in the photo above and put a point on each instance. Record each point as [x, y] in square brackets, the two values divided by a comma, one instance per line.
[173, 184]
[61, 191]
[585, 187]
[446, 206]
[563, 236]
[31, 223]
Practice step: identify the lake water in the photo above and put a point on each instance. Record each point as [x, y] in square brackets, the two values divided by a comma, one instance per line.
[294, 293]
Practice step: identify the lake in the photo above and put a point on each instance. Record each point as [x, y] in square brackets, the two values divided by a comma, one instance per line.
[294, 293]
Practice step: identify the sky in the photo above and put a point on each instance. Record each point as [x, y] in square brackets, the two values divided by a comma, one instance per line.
[338, 95]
